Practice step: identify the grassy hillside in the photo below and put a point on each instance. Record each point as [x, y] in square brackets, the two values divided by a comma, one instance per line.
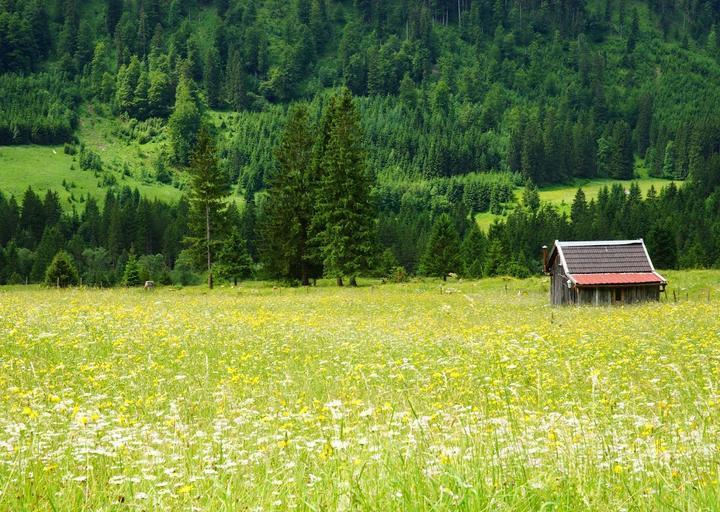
[130, 153]
[48, 168]
[447, 88]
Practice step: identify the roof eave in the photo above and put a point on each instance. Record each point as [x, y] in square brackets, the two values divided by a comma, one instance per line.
[615, 285]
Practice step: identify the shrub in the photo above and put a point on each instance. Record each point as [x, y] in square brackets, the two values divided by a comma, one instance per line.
[387, 263]
[151, 267]
[89, 160]
[514, 269]
[131, 275]
[183, 273]
[398, 275]
[62, 271]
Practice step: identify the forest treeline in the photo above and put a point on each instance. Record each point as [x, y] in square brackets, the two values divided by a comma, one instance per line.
[551, 91]
[318, 218]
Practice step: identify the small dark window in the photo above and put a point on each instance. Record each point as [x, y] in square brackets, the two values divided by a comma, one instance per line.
[618, 294]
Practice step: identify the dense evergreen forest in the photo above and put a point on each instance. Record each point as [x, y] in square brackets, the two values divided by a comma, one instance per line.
[456, 103]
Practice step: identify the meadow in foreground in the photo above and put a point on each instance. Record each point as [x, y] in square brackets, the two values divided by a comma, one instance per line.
[393, 397]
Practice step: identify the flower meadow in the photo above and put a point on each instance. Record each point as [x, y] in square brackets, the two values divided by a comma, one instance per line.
[472, 396]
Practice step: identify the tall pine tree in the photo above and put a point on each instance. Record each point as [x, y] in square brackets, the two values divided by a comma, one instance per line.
[209, 188]
[185, 121]
[442, 253]
[344, 224]
[290, 205]
[234, 261]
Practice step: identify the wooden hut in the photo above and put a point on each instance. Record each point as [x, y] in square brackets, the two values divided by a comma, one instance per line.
[602, 273]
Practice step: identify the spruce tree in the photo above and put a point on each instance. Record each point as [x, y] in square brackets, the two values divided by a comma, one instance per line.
[32, 219]
[97, 267]
[531, 196]
[143, 34]
[644, 123]
[112, 15]
[140, 97]
[318, 23]
[160, 91]
[662, 247]
[408, 92]
[532, 158]
[621, 160]
[473, 252]
[209, 188]
[442, 252]
[52, 208]
[345, 218]
[634, 33]
[289, 206]
[211, 77]
[8, 221]
[668, 168]
[85, 45]
[131, 274]
[494, 258]
[247, 223]
[51, 243]
[61, 272]
[235, 79]
[234, 261]
[184, 122]
[579, 216]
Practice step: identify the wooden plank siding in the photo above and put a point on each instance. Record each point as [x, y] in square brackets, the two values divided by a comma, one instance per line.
[606, 296]
[560, 293]
[600, 296]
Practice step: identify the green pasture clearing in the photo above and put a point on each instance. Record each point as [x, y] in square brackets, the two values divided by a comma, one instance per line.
[46, 167]
[562, 196]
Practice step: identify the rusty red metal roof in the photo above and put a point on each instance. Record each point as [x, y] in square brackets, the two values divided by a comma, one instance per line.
[615, 278]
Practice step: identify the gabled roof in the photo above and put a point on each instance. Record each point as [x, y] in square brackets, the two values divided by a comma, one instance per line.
[605, 262]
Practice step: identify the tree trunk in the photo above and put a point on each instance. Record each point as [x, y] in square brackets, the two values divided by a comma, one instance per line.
[353, 281]
[305, 281]
[235, 281]
[304, 274]
[339, 281]
[444, 277]
[207, 241]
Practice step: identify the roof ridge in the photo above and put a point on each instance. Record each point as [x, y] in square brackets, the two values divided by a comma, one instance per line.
[598, 242]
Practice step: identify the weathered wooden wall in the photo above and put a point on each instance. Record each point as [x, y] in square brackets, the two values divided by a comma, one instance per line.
[559, 292]
[605, 296]
[597, 296]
